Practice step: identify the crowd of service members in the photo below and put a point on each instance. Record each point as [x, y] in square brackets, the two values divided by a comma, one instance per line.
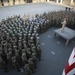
[19, 44]
[56, 17]
[19, 38]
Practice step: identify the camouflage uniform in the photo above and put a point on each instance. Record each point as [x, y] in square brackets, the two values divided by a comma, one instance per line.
[18, 58]
[27, 69]
[34, 59]
[39, 51]
[24, 59]
[31, 64]
[3, 65]
[15, 64]
[28, 52]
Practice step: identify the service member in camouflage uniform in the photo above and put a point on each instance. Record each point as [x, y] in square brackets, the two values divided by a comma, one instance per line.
[27, 69]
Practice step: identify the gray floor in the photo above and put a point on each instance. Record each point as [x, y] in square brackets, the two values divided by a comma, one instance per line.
[31, 8]
[54, 52]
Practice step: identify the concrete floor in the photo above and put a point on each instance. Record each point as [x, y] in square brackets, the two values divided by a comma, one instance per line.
[31, 8]
[54, 52]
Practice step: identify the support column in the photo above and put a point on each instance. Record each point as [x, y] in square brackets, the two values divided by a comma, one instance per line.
[48, 1]
[34, 1]
[42, 0]
[2, 2]
[71, 3]
[61, 1]
[39, 0]
[57, 1]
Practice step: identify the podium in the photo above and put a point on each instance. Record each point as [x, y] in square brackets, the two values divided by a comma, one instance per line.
[68, 34]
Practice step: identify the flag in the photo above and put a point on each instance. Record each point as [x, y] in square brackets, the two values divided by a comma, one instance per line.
[70, 66]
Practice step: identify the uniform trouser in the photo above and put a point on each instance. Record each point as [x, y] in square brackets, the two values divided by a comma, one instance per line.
[16, 66]
[28, 72]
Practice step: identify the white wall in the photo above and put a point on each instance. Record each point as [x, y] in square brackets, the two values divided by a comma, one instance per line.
[67, 2]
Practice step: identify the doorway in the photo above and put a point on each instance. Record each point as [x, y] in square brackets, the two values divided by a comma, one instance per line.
[28, 1]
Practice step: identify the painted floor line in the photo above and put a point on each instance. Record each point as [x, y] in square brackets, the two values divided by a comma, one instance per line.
[22, 70]
[58, 42]
[49, 36]
[43, 44]
[53, 53]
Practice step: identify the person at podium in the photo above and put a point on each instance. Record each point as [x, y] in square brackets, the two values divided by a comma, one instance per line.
[63, 25]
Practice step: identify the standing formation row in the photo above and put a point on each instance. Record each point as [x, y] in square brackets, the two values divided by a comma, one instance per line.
[19, 44]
